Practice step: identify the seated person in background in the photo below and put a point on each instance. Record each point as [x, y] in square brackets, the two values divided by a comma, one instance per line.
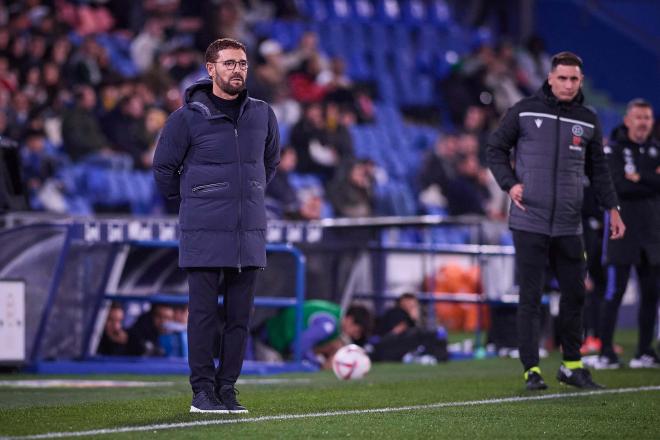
[115, 339]
[325, 330]
[351, 190]
[144, 335]
[400, 335]
[283, 197]
[403, 316]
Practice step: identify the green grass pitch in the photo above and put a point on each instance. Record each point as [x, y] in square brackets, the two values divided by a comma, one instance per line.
[622, 415]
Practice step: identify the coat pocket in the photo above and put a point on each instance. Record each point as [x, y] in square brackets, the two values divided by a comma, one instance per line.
[219, 186]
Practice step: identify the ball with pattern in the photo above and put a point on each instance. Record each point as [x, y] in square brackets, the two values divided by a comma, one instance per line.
[351, 362]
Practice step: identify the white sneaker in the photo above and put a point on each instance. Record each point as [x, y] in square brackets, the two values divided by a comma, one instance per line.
[644, 361]
[606, 363]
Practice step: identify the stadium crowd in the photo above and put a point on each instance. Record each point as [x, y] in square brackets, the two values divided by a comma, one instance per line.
[92, 82]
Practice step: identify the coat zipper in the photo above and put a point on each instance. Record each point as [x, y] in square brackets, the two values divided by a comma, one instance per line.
[556, 171]
[240, 197]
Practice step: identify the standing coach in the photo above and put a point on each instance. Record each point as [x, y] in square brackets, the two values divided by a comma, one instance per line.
[634, 158]
[557, 142]
[216, 154]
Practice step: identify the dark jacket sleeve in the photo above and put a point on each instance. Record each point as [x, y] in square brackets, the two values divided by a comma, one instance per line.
[598, 171]
[170, 151]
[498, 149]
[272, 150]
[649, 175]
[624, 187]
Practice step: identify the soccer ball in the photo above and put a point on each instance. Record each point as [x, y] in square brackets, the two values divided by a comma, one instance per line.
[351, 362]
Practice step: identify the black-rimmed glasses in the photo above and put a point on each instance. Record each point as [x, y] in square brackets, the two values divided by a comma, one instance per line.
[231, 64]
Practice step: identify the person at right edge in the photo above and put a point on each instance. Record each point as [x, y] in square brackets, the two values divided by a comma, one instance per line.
[634, 158]
[557, 143]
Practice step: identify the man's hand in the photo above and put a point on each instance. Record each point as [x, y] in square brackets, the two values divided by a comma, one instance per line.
[633, 177]
[516, 194]
[617, 228]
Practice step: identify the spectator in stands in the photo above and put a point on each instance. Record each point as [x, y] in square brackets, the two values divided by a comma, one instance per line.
[86, 64]
[476, 123]
[40, 165]
[125, 128]
[325, 330]
[222, 216]
[501, 77]
[114, 341]
[145, 45]
[308, 47]
[351, 190]
[309, 137]
[467, 192]
[19, 115]
[287, 109]
[186, 62]
[337, 131]
[143, 336]
[634, 158]
[81, 130]
[534, 63]
[285, 201]
[270, 72]
[154, 122]
[304, 82]
[545, 185]
[437, 170]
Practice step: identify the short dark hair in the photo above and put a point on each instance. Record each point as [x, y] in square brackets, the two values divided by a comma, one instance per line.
[362, 317]
[211, 55]
[566, 59]
[638, 102]
[404, 296]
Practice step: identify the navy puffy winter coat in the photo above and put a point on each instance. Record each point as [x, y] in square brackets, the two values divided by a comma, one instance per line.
[219, 170]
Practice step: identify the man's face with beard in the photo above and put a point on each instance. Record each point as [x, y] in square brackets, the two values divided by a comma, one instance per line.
[227, 73]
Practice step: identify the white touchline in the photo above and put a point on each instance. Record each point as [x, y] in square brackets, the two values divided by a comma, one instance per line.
[331, 413]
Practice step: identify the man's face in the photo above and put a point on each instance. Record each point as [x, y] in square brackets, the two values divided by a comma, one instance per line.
[565, 82]
[229, 78]
[350, 328]
[162, 315]
[115, 318]
[639, 121]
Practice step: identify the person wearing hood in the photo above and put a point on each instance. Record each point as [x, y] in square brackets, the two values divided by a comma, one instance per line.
[634, 158]
[216, 154]
[558, 143]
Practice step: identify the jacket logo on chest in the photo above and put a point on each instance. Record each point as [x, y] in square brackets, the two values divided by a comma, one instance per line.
[577, 131]
[538, 122]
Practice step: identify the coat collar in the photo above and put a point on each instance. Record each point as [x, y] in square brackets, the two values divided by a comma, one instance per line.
[198, 99]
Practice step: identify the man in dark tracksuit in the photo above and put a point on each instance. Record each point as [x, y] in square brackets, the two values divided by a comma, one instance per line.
[634, 159]
[217, 153]
[557, 141]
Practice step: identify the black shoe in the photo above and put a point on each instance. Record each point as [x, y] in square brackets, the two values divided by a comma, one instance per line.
[579, 377]
[227, 395]
[534, 381]
[206, 402]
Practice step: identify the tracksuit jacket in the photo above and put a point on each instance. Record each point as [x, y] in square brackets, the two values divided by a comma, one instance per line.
[556, 146]
[640, 201]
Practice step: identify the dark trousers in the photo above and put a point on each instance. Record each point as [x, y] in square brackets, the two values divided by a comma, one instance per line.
[566, 258]
[649, 284]
[593, 239]
[211, 327]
